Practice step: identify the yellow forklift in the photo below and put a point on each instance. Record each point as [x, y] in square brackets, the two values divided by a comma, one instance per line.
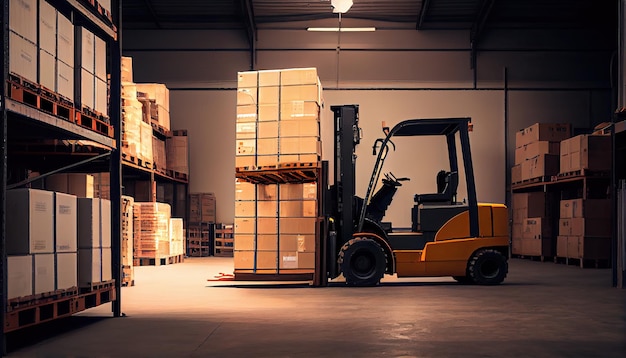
[467, 240]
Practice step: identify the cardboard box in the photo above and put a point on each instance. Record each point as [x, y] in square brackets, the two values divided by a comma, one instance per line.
[268, 129]
[269, 78]
[297, 243]
[534, 149]
[267, 146]
[246, 112]
[266, 260]
[299, 110]
[245, 130]
[565, 165]
[65, 41]
[47, 28]
[245, 190]
[65, 80]
[89, 266]
[267, 242]
[538, 247]
[66, 270]
[47, 70]
[552, 132]
[247, 79]
[301, 93]
[305, 191]
[589, 208]
[298, 76]
[518, 230]
[80, 185]
[209, 207]
[29, 221]
[101, 103]
[66, 222]
[245, 226]
[516, 246]
[531, 205]
[591, 152]
[43, 273]
[88, 223]
[88, 60]
[245, 209]
[306, 260]
[298, 208]
[267, 208]
[243, 260]
[536, 228]
[105, 223]
[268, 112]
[267, 226]
[19, 276]
[23, 19]
[88, 89]
[266, 160]
[585, 227]
[22, 57]
[516, 173]
[300, 145]
[157, 92]
[573, 246]
[267, 192]
[301, 128]
[245, 242]
[541, 166]
[177, 153]
[268, 95]
[301, 226]
[100, 55]
[127, 69]
[288, 260]
[106, 269]
[561, 246]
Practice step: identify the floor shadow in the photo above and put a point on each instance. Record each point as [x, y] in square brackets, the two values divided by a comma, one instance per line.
[32, 335]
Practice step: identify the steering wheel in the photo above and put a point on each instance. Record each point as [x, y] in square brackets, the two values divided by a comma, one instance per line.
[391, 179]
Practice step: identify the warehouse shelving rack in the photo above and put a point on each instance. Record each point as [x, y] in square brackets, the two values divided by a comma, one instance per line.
[25, 121]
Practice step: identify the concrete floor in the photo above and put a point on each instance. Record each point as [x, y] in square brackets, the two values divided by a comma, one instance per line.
[542, 310]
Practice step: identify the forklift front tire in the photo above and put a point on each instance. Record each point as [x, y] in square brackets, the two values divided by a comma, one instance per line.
[362, 262]
[487, 267]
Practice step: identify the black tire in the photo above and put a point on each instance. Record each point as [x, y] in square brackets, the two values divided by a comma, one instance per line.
[362, 262]
[462, 279]
[487, 267]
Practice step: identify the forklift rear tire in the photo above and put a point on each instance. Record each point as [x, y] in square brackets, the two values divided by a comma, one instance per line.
[362, 262]
[487, 267]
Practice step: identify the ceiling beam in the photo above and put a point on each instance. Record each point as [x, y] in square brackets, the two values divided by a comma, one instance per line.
[423, 13]
[152, 13]
[478, 26]
[247, 10]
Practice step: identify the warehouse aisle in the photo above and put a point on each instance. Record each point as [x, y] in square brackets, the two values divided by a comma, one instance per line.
[542, 310]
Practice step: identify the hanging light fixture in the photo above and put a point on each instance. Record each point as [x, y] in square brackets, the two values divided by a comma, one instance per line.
[341, 6]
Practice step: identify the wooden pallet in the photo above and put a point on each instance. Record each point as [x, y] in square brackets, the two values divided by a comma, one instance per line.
[64, 306]
[34, 95]
[542, 179]
[584, 263]
[41, 298]
[584, 173]
[158, 261]
[92, 122]
[95, 286]
[297, 173]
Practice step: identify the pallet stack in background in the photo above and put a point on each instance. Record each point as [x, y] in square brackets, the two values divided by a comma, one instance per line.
[151, 230]
[278, 126]
[202, 217]
[177, 152]
[559, 202]
[128, 268]
[136, 128]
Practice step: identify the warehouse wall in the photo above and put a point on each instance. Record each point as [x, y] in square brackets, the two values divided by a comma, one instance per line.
[554, 76]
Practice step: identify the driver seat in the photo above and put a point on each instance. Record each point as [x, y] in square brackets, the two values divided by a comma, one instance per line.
[381, 200]
[447, 184]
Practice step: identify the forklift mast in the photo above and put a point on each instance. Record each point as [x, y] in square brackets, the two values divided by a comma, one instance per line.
[341, 204]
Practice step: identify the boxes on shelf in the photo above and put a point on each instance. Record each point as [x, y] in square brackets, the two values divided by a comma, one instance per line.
[89, 223]
[127, 69]
[177, 152]
[43, 273]
[66, 222]
[30, 222]
[202, 207]
[550, 132]
[586, 152]
[19, 276]
[102, 185]
[66, 270]
[145, 152]
[23, 19]
[90, 266]
[152, 233]
[22, 57]
[81, 185]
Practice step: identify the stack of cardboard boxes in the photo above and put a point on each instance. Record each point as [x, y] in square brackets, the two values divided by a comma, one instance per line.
[177, 237]
[177, 152]
[278, 125]
[94, 87]
[152, 232]
[94, 241]
[532, 224]
[133, 124]
[537, 151]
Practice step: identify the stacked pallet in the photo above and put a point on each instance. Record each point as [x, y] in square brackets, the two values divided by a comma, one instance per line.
[223, 239]
[152, 233]
[177, 152]
[133, 124]
[128, 270]
[202, 214]
[585, 153]
[532, 225]
[537, 151]
[278, 126]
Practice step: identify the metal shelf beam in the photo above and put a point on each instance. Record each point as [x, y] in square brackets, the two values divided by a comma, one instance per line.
[93, 18]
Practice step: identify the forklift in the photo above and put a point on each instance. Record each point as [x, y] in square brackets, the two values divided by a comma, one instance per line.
[466, 240]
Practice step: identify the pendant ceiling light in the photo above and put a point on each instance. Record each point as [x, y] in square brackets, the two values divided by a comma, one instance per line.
[341, 6]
